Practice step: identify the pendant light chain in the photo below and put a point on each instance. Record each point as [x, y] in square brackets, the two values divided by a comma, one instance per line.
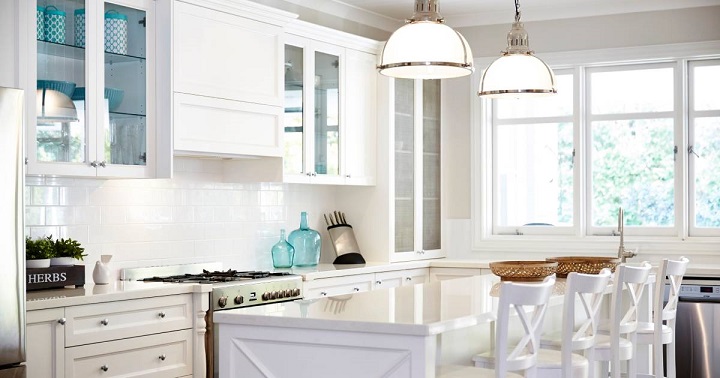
[517, 10]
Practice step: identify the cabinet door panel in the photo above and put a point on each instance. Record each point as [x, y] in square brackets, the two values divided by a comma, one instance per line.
[45, 343]
[360, 131]
[216, 126]
[208, 46]
[328, 287]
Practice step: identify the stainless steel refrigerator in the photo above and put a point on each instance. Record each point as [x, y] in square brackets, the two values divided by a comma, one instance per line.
[12, 259]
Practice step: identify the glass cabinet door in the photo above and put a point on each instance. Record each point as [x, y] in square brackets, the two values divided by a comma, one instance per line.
[404, 165]
[61, 132]
[125, 92]
[327, 114]
[294, 94]
[431, 165]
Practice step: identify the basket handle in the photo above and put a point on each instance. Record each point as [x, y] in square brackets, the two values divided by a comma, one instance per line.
[112, 11]
[51, 6]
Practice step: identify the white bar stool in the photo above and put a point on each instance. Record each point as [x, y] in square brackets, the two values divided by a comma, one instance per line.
[656, 333]
[578, 335]
[613, 348]
[530, 303]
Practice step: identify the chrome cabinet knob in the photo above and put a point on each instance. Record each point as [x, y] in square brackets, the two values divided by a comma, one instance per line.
[408, 278]
[102, 163]
[62, 321]
[323, 293]
[356, 289]
[94, 164]
[162, 357]
[104, 368]
[378, 282]
[104, 322]
[162, 314]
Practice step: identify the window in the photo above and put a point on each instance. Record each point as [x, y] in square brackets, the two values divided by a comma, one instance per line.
[641, 136]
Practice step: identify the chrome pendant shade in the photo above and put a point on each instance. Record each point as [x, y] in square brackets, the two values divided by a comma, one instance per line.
[518, 72]
[55, 106]
[426, 48]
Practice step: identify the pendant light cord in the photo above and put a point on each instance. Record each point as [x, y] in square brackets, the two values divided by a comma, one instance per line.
[517, 10]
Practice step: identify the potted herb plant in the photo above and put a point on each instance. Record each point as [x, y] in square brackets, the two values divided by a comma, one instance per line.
[67, 252]
[38, 252]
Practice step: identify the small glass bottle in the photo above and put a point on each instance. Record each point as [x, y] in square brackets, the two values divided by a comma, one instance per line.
[282, 252]
[306, 242]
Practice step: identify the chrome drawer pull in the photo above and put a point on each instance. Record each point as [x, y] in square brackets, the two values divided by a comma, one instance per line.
[161, 314]
[162, 357]
[408, 278]
[104, 368]
[356, 289]
[378, 282]
[62, 321]
[323, 293]
[104, 322]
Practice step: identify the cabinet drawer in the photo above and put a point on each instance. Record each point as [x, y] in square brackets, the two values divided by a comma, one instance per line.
[328, 287]
[395, 278]
[163, 355]
[213, 126]
[122, 319]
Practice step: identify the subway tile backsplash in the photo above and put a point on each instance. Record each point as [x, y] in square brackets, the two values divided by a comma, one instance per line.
[193, 217]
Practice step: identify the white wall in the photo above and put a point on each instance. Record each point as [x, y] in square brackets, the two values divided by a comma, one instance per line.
[193, 217]
[8, 44]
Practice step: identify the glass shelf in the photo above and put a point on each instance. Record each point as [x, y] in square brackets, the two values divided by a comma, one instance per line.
[78, 53]
[125, 115]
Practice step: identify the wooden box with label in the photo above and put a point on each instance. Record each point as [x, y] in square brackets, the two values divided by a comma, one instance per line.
[55, 277]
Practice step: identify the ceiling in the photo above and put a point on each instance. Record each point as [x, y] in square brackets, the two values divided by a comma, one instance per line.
[388, 14]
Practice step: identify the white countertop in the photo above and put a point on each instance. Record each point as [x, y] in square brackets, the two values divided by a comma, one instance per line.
[330, 270]
[117, 291]
[422, 309]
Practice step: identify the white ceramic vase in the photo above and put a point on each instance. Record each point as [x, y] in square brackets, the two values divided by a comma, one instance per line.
[101, 273]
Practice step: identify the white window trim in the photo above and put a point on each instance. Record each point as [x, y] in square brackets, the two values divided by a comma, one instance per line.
[483, 239]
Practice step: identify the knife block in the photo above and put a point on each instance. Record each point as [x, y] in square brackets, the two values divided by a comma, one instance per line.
[345, 244]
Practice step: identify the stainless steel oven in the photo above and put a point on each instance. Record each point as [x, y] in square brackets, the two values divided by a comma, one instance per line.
[230, 289]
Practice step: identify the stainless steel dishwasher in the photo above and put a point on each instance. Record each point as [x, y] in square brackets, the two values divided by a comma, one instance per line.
[697, 331]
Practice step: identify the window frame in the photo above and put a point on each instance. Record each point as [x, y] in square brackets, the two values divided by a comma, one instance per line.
[580, 241]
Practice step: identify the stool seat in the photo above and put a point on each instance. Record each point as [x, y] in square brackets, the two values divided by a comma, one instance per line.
[603, 351]
[646, 331]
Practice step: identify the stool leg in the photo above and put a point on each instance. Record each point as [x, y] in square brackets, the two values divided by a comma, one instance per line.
[658, 360]
[671, 360]
[632, 362]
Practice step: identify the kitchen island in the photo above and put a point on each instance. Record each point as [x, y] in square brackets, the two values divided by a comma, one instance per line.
[399, 332]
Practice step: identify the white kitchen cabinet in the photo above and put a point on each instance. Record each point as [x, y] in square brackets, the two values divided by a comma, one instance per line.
[112, 125]
[401, 220]
[396, 278]
[227, 62]
[45, 343]
[328, 287]
[330, 107]
[144, 337]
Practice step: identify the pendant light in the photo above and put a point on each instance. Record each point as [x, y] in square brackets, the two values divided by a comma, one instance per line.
[426, 48]
[55, 106]
[518, 72]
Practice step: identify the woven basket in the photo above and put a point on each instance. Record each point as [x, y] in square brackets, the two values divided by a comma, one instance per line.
[523, 270]
[583, 264]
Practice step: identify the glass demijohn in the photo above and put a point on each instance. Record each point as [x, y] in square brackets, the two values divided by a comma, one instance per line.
[282, 252]
[306, 242]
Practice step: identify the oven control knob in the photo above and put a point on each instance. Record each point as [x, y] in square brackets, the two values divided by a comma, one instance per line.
[288, 293]
[266, 296]
[281, 294]
[274, 295]
[239, 299]
[296, 292]
[222, 302]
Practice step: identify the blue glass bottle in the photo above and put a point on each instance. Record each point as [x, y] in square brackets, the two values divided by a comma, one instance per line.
[306, 242]
[282, 252]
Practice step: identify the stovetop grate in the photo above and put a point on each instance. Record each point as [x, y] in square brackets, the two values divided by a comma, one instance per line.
[207, 277]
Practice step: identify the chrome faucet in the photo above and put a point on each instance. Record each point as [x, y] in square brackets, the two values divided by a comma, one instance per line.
[623, 254]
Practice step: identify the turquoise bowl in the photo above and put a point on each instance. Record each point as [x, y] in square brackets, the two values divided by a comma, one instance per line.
[65, 87]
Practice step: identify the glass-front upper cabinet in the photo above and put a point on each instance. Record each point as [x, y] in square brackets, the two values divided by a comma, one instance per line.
[417, 169]
[312, 111]
[95, 93]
